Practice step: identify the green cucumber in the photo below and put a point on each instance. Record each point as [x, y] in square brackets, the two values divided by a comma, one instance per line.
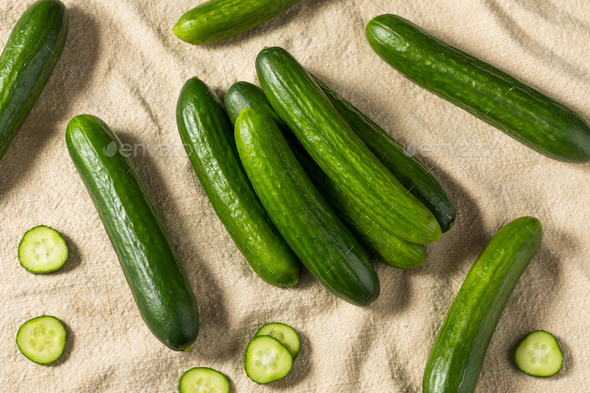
[495, 97]
[206, 130]
[410, 172]
[203, 380]
[378, 242]
[42, 340]
[284, 333]
[217, 20]
[458, 353]
[27, 61]
[308, 224]
[267, 360]
[300, 102]
[42, 250]
[148, 258]
[539, 355]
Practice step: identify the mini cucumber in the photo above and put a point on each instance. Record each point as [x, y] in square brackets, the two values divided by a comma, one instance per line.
[31, 53]
[341, 154]
[203, 380]
[267, 360]
[311, 228]
[206, 130]
[539, 354]
[42, 340]
[459, 351]
[284, 333]
[380, 243]
[42, 250]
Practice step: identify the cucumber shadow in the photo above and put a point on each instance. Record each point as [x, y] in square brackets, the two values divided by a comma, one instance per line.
[55, 102]
[74, 259]
[213, 318]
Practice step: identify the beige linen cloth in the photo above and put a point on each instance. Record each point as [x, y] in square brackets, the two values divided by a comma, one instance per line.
[123, 64]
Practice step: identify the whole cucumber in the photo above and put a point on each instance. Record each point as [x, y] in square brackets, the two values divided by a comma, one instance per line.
[148, 258]
[217, 20]
[458, 353]
[522, 112]
[330, 141]
[389, 248]
[27, 61]
[205, 128]
[321, 241]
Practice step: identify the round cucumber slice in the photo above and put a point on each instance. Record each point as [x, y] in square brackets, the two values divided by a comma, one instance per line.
[539, 355]
[42, 250]
[267, 360]
[42, 340]
[284, 333]
[203, 380]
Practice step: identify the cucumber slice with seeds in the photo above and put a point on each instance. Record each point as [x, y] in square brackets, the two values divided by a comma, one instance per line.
[539, 355]
[42, 340]
[284, 333]
[203, 380]
[267, 360]
[42, 250]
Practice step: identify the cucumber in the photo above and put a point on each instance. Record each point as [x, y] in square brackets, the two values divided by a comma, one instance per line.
[378, 242]
[539, 354]
[410, 172]
[217, 20]
[42, 250]
[27, 61]
[493, 96]
[284, 333]
[300, 102]
[203, 380]
[308, 224]
[458, 353]
[42, 340]
[206, 130]
[148, 258]
[267, 360]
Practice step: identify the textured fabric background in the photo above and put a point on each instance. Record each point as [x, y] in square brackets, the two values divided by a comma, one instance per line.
[123, 64]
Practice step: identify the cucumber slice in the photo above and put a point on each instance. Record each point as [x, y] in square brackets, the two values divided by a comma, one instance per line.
[42, 250]
[539, 355]
[284, 333]
[267, 360]
[203, 380]
[42, 340]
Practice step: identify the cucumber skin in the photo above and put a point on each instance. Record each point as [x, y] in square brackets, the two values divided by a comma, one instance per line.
[217, 20]
[378, 242]
[410, 172]
[331, 143]
[308, 224]
[203, 124]
[458, 353]
[148, 258]
[26, 63]
[517, 109]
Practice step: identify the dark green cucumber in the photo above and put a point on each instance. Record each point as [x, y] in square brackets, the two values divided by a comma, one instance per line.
[385, 246]
[205, 128]
[217, 20]
[410, 172]
[495, 97]
[306, 221]
[458, 353]
[148, 258]
[326, 136]
[27, 61]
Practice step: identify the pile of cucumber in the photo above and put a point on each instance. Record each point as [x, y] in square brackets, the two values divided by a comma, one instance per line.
[297, 175]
